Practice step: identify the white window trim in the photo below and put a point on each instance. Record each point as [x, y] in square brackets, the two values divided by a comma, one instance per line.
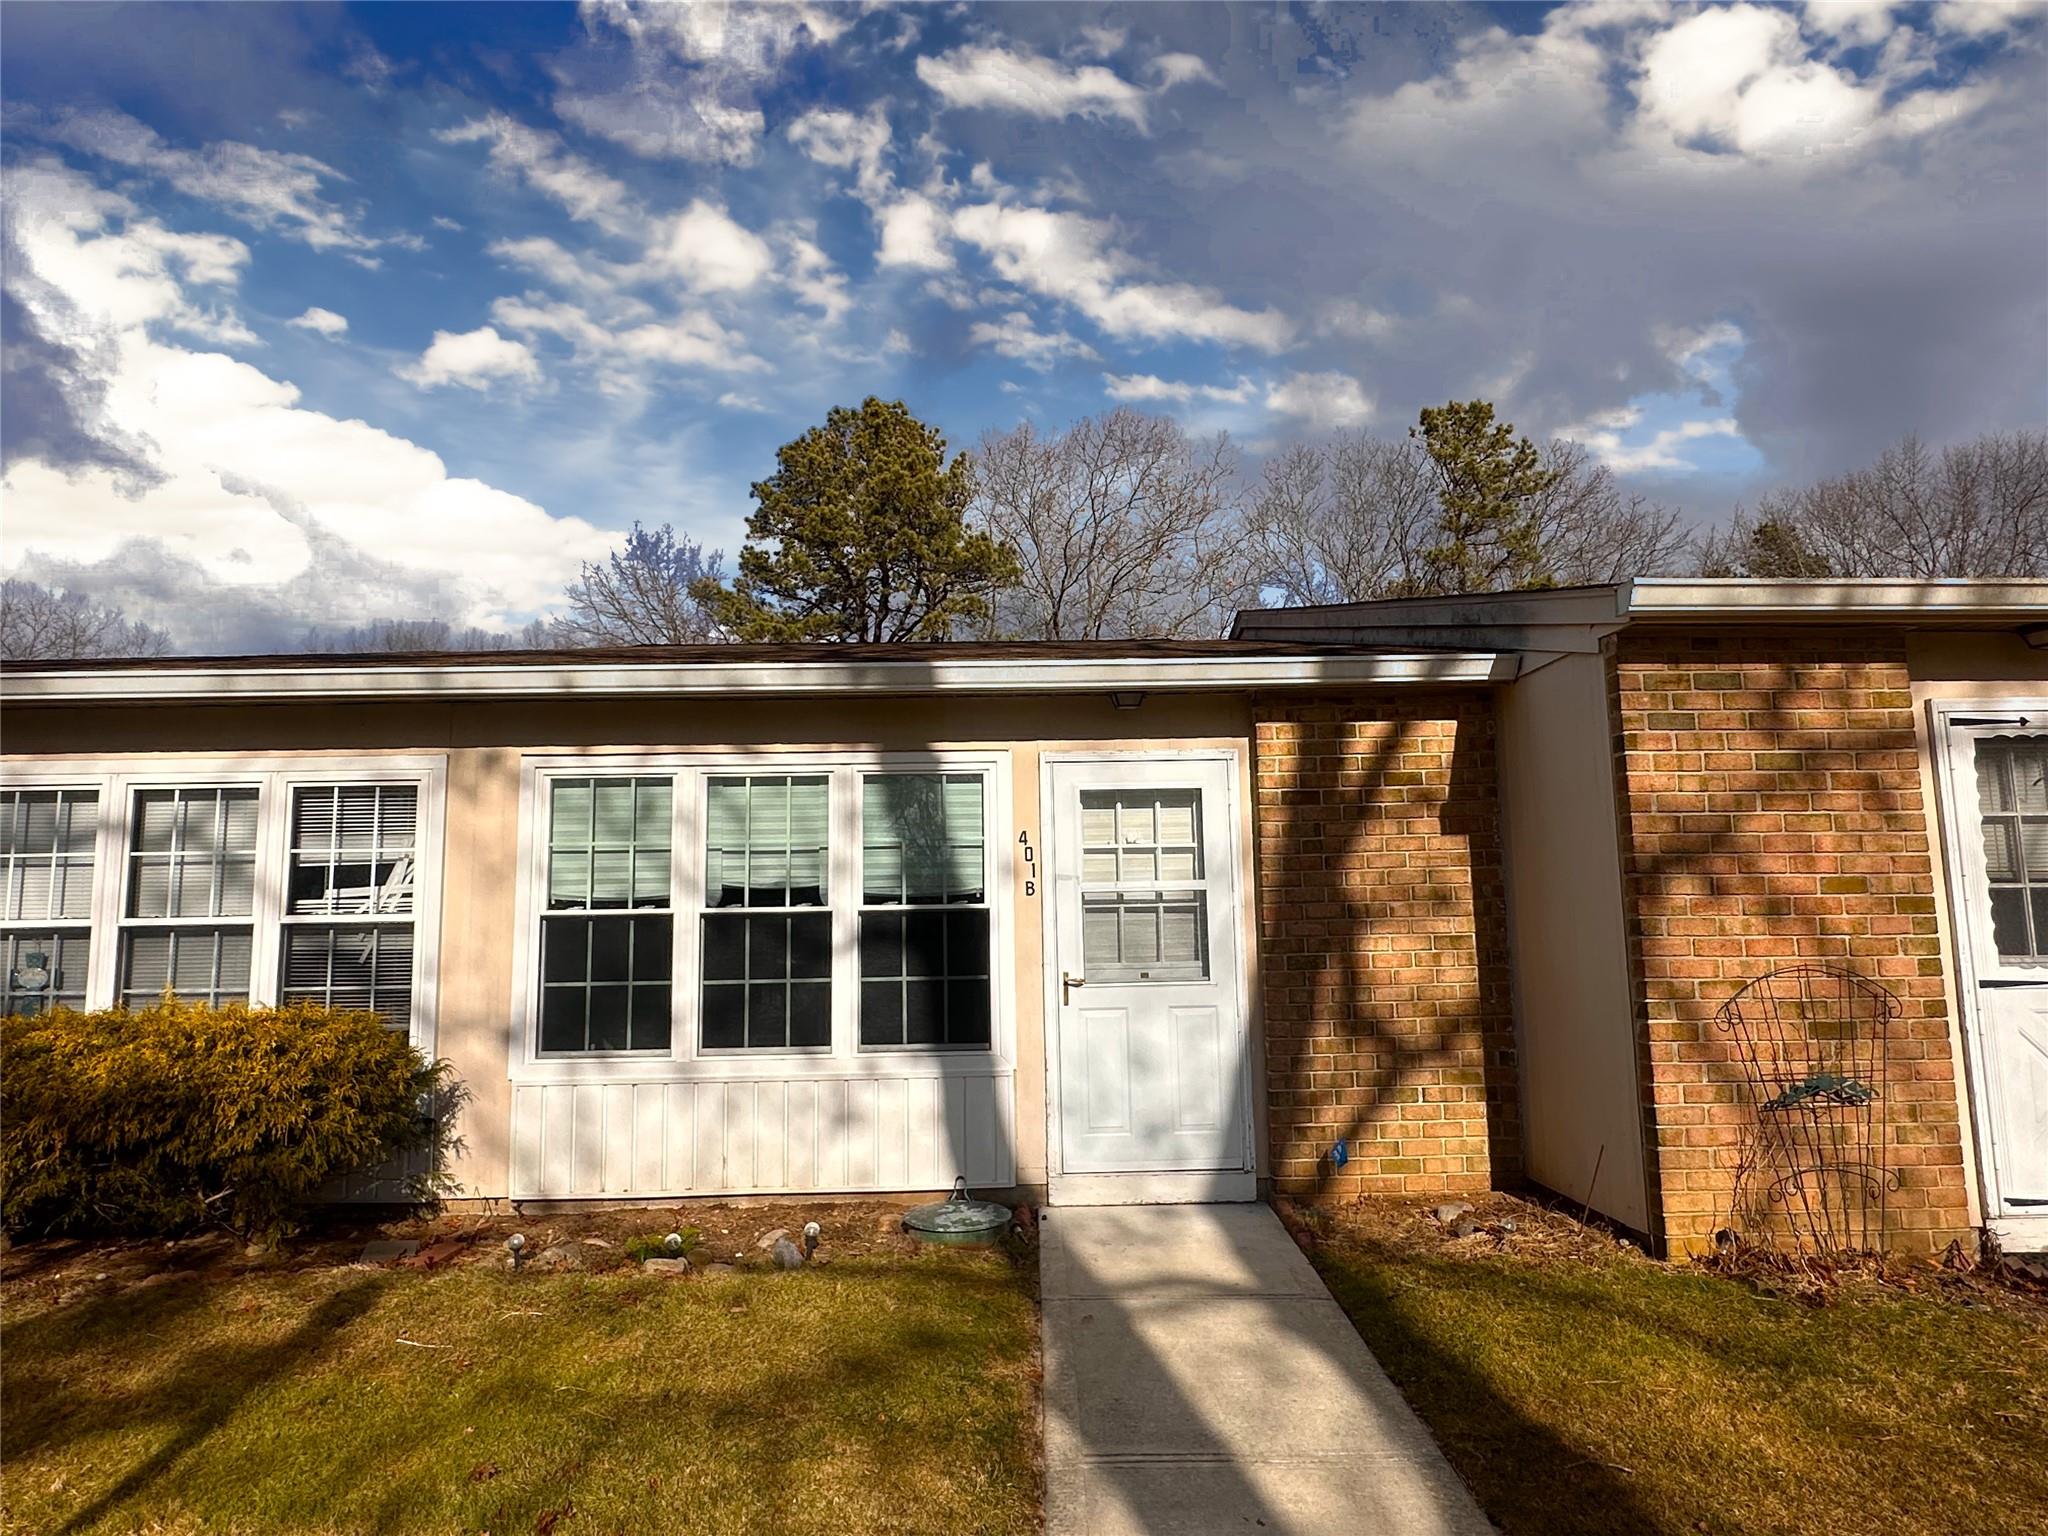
[685, 1060]
[275, 778]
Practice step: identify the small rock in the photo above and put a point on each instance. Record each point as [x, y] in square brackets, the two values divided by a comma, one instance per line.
[387, 1252]
[561, 1256]
[446, 1251]
[1507, 1225]
[767, 1240]
[1465, 1226]
[1450, 1211]
[714, 1271]
[595, 1242]
[665, 1266]
[786, 1254]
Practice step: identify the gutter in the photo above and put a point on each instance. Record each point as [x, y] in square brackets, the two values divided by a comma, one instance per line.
[1202, 674]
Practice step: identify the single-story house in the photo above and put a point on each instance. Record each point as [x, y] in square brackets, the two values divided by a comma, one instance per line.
[1407, 896]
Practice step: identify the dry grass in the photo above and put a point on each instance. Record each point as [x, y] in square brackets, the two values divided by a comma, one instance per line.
[1579, 1386]
[887, 1391]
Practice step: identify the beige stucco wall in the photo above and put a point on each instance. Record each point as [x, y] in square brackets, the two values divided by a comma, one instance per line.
[1978, 667]
[1575, 1036]
[485, 744]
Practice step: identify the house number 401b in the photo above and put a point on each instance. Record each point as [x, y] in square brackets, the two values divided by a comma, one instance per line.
[1030, 864]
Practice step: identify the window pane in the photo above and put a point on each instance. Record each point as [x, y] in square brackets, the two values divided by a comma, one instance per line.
[204, 965]
[194, 853]
[921, 836]
[605, 982]
[767, 1015]
[352, 848]
[563, 1012]
[43, 971]
[609, 1017]
[924, 978]
[361, 967]
[2009, 923]
[765, 841]
[725, 1016]
[810, 946]
[608, 843]
[46, 853]
[749, 960]
[725, 948]
[1134, 936]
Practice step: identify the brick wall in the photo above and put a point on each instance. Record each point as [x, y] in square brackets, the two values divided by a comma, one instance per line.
[1771, 813]
[1383, 945]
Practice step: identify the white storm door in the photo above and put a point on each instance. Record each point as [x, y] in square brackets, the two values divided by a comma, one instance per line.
[1151, 1050]
[2001, 799]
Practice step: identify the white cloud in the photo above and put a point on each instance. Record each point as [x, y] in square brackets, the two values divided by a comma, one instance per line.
[324, 321]
[1852, 23]
[269, 188]
[1006, 80]
[710, 252]
[914, 234]
[1140, 388]
[1067, 256]
[249, 489]
[1602, 435]
[622, 352]
[1324, 401]
[474, 359]
[734, 401]
[1171, 69]
[813, 279]
[683, 82]
[1016, 337]
[847, 141]
[1359, 322]
[540, 160]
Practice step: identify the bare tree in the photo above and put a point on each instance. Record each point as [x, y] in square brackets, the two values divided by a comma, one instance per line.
[396, 635]
[1122, 525]
[1344, 521]
[1359, 518]
[41, 624]
[641, 594]
[1978, 508]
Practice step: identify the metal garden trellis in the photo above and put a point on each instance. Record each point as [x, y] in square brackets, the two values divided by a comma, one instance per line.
[1812, 1040]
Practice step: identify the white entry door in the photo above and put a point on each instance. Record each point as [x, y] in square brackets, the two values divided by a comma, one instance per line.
[1999, 779]
[1150, 1087]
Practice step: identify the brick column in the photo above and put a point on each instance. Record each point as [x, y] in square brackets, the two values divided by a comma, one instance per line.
[1382, 922]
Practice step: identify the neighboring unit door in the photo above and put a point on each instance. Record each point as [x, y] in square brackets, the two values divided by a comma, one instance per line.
[2001, 799]
[1150, 1058]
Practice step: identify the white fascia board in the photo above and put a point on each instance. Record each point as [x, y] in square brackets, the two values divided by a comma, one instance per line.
[1983, 602]
[1209, 674]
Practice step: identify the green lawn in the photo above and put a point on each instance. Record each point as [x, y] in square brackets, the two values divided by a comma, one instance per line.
[1587, 1391]
[874, 1394]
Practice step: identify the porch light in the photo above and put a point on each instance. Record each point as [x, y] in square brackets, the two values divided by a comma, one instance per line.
[1127, 700]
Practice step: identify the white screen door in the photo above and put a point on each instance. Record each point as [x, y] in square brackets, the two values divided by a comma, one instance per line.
[2001, 800]
[1150, 1057]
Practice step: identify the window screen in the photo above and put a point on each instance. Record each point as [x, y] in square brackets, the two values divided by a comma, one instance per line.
[608, 934]
[766, 940]
[1144, 915]
[2012, 802]
[924, 957]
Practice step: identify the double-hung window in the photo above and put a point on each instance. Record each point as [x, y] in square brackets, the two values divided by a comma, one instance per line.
[189, 923]
[348, 916]
[48, 838]
[924, 919]
[608, 932]
[766, 947]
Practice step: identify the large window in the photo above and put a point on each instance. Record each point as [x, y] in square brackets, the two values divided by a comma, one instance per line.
[353, 850]
[766, 934]
[189, 921]
[47, 843]
[608, 933]
[2012, 803]
[924, 919]
[263, 881]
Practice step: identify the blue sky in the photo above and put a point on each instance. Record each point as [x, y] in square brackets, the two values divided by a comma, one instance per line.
[324, 314]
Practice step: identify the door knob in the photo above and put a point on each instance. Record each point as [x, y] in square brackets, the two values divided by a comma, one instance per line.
[1067, 985]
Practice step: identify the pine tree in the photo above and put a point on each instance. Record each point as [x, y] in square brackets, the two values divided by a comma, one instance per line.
[862, 534]
[1489, 487]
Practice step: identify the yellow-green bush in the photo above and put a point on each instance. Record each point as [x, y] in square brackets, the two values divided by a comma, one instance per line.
[165, 1118]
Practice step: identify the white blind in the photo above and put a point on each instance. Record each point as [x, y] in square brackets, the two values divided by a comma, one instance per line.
[194, 853]
[46, 854]
[765, 840]
[921, 838]
[609, 843]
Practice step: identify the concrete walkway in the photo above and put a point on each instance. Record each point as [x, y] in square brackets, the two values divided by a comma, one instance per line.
[1199, 1378]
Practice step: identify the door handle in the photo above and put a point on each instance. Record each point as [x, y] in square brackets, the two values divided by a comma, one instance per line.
[1067, 985]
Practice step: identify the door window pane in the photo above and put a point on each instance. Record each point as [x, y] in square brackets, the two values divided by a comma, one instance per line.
[1140, 836]
[1136, 845]
[1131, 936]
[2012, 801]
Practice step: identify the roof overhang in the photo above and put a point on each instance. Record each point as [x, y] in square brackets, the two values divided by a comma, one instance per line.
[171, 684]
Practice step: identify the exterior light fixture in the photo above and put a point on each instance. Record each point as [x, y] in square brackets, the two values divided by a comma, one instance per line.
[812, 1231]
[1129, 700]
[516, 1246]
[673, 1243]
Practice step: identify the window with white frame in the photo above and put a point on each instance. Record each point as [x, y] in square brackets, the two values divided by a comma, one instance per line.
[766, 931]
[608, 931]
[267, 882]
[348, 918]
[798, 946]
[189, 923]
[48, 840]
[924, 918]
